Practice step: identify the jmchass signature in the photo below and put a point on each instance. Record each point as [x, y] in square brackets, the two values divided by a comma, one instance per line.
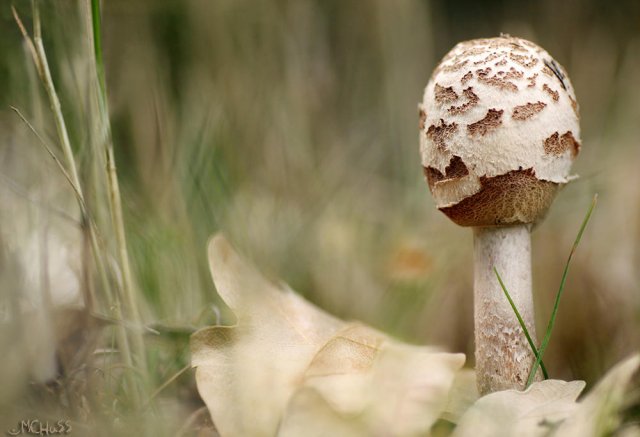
[38, 427]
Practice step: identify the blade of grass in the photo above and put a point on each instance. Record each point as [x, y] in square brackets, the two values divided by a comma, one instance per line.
[165, 384]
[53, 156]
[40, 59]
[70, 171]
[96, 23]
[114, 188]
[522, 324]
[28, 41]
[552, 319]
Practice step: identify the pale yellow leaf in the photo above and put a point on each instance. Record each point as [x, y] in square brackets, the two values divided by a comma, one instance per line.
[533, 412]
[598, 413]
[247, 373]
[402, 394]
[287, 368]
[310, 415]
[550, 407]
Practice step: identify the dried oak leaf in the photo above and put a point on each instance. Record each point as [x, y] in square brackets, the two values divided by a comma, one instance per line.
[287, 368]
[599, 412]
[550, 408]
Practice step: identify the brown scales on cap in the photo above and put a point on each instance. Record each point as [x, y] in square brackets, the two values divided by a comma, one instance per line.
[473, 50]
[517, 197]
[439, 134]
[445, 95]
[492, 120]
[466, 78]
[513, 74]
[527, 111]
[422, 118]
[570, 143]
[557, 145]
[489, 58]
[574, 106]
[454, 67]
[498, 82]
[456, 169]
[523, 60]
[472, 100]
[554, 94]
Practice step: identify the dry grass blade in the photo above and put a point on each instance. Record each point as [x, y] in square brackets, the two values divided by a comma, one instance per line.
[28, 41]
[115, 201]
[165, 384]
[53, 156]
[40, 59]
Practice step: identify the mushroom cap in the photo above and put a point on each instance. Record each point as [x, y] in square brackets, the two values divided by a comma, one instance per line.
[499, 130]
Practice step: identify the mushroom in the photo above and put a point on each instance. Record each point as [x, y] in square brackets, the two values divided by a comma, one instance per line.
[499, 130]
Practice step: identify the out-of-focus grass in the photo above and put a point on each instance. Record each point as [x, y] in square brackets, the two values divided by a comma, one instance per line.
[292, 127]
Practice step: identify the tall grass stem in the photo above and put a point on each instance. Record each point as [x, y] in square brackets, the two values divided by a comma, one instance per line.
[115, 201]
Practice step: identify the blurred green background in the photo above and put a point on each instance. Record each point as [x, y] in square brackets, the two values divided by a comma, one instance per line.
[291, 126]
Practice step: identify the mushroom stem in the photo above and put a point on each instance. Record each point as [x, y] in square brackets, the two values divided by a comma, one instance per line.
[503, 356]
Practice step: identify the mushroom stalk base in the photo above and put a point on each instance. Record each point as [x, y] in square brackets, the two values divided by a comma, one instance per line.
[503, 355]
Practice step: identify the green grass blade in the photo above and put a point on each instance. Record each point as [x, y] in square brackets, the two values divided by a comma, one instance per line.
[552, 320]
[129, 289]
[521, 321]
[97, 47]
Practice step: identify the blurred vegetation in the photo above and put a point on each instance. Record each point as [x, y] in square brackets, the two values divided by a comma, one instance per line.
[291, 126]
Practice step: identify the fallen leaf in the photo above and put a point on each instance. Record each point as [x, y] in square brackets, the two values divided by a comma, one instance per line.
[533, 412]
[550, 408]
[310, 415]
[365, 377]
[287, 368]
[247, 373]
[598, 413]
